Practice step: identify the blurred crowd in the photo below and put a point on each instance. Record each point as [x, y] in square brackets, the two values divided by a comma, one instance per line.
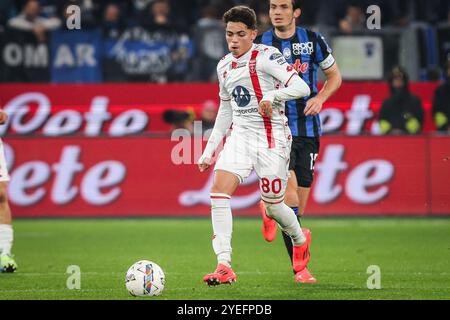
[186, 14]
[199, 21]
[403, 113]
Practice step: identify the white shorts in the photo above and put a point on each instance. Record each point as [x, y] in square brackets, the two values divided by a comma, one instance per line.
[242, 153]
[4, 176]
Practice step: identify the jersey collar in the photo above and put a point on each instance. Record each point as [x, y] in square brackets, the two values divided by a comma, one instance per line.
[282, 39]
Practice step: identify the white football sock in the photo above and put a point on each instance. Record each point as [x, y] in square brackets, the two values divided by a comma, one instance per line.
[287, 220]
[6, 238]
[222, 222]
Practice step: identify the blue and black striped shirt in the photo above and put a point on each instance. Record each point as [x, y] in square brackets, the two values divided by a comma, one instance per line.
[305, 51]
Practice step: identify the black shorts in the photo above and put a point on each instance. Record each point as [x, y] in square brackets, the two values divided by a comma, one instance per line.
[304, 153]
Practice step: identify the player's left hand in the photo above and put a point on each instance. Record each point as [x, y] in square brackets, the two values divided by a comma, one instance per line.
[313, 106]
[3, 117]
[265, 109]
[204, 163]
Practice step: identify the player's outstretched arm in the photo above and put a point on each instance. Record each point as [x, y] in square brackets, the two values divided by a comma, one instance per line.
[296, 88]
[221, 126]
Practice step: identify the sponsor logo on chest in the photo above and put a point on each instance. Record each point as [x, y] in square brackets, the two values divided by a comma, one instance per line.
[303, 48]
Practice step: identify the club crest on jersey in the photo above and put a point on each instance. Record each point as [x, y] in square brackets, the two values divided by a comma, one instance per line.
[252, 66]
[241, 96]
[287, 53]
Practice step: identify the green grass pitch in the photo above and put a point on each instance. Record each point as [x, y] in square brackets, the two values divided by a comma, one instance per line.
[413, 256]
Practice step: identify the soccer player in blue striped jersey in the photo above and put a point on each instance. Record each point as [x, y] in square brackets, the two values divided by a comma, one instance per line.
[306, 51]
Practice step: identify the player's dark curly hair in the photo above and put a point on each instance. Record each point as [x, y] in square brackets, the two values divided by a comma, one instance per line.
[242, 14]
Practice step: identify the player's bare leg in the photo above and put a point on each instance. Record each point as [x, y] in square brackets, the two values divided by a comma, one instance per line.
[224, 185]
[291, 198]
[7, 263]
[303, 196]
[5, 211]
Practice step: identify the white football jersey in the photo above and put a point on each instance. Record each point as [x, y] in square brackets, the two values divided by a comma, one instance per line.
[248, 79]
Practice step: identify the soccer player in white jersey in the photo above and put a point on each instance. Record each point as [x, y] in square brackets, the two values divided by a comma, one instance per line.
[7, 263]
[255, 81]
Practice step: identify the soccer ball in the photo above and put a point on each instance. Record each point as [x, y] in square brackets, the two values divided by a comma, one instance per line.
[145, 278]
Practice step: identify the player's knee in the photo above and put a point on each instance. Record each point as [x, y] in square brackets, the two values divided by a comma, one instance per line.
[271, 209]
[217, 188]
[225, 186]
[271, 201]
[275, 210]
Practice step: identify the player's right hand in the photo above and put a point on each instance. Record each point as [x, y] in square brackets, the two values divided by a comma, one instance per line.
[204, 164]
[265, 109]
[3, 117]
